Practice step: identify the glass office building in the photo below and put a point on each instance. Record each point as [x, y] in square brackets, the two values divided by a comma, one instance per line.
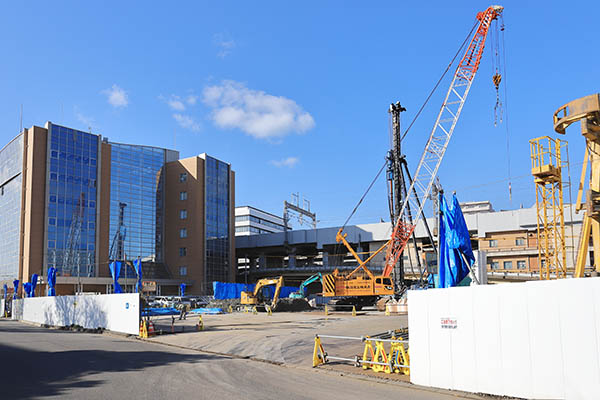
[11, 168]
[76, 201]
[72, 178]
[137, 186]
[218, 210]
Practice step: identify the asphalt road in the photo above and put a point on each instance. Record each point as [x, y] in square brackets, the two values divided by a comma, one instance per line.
[44, 363]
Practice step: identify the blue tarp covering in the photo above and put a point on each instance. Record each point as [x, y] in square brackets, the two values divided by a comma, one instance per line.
[223, 290]
[51, 281]
[455, 243]
[137, 264]
[34, 279]
[182, 289]
[16, 285]
[153, 312]
[206, 311]
[115, 270]
[27, 289]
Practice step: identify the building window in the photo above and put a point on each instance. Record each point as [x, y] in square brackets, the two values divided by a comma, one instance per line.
[493, 243]
[183, 233]
[520, 241]
[182, 214]
[183, 177]
[182, 251]
[507, 264]
[521, 264]
[183, 271]
[495, 265]
[182, 195]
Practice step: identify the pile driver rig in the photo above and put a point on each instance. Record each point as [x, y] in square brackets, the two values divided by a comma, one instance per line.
[409, 211]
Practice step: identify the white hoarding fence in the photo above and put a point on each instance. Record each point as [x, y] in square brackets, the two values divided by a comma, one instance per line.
[115, 312]
[533, 340]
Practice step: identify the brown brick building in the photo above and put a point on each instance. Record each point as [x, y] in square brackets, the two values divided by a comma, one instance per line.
[77, 201]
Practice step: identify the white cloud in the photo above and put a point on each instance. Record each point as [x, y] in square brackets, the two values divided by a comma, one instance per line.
[117, 97]
[89, 122]
[191, 99]
[255, 112]
[175, 103]
[187, 122]
[224, 43]
[289, 162]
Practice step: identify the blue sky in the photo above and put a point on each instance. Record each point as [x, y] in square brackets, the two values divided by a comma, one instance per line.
[295, 94]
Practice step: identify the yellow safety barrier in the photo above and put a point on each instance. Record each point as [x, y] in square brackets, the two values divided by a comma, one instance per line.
[354, 311]
[143, 330]
[319, 355]
[200, 325]
[375, 356]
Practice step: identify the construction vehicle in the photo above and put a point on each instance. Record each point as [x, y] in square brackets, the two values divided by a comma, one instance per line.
[586, 110]
[301, 293]
[256, 299]
[361, 282]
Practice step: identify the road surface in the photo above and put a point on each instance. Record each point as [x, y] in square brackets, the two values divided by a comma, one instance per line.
[46, 363]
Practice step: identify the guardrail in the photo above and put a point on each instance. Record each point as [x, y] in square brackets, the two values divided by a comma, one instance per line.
[375, 356]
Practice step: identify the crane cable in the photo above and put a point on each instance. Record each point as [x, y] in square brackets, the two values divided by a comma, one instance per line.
[365, 194]
[440, 80]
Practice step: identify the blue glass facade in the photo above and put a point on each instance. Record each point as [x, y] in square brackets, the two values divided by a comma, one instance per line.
[137, 183]
[11, 168]
[217, 221]
[71, 204]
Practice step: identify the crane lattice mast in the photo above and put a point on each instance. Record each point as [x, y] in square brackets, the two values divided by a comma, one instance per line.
[440, 137]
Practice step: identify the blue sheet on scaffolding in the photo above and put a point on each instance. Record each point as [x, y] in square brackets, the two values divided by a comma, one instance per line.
[455, 244]
[224, 290]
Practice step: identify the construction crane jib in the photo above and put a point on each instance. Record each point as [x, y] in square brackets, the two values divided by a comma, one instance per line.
[440, 137]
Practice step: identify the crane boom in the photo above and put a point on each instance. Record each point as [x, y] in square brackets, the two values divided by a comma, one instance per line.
[439, 138]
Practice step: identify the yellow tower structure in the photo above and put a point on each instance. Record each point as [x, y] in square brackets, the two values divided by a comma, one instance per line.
[546, 168]
[586, 110]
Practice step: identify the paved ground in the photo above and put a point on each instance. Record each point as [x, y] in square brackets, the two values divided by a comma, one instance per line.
[282, 337]
[39, 363]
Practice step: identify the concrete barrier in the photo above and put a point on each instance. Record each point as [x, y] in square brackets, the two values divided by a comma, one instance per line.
[532, 340]
[115, 312]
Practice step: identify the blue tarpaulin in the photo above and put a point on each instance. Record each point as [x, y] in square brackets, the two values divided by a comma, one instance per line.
[115, 270]
[27, 289]
[224, 290]
[34, 279]
[153, 312]
[182, 289]
[51, 281]
[455, 243]
[207, 311]
[137, 264]
[16, 285]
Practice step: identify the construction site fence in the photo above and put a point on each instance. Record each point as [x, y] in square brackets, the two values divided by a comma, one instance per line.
[393, 359]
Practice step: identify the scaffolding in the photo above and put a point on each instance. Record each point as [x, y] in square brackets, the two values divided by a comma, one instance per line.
[546, 168]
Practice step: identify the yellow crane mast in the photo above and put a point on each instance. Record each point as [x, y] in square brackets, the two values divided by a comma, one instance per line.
[546, 168]
[587, 111]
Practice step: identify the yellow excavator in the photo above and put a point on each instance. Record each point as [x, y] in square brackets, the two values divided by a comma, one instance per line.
[255, 298]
